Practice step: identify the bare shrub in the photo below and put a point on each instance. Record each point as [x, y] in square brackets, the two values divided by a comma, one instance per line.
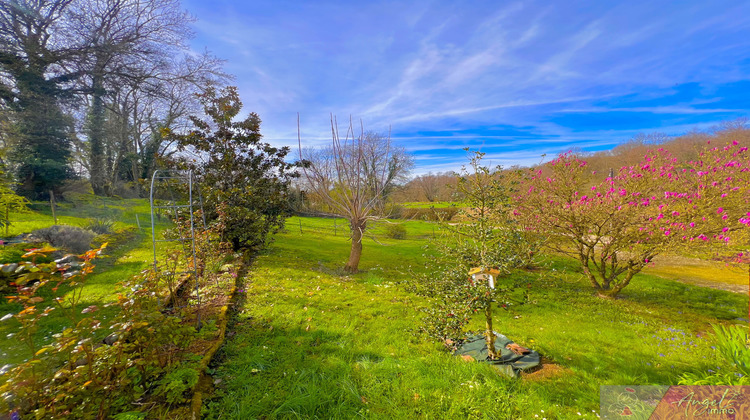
[72, 238]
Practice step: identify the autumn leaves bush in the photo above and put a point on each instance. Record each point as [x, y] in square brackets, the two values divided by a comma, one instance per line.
[133, 350]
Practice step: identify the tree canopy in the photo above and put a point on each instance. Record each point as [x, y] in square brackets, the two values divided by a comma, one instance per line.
[244, 180]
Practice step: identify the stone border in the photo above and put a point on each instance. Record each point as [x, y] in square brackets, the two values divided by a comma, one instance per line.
[196, 404]
[197, 401]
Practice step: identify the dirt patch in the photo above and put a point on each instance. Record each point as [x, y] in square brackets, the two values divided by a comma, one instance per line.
[549, 370]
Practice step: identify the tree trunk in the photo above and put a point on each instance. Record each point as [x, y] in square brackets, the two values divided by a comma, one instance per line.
[96, 137]
[490, 333]
[358, 229]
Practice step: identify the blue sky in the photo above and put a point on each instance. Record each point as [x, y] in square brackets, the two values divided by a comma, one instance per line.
[513, 79]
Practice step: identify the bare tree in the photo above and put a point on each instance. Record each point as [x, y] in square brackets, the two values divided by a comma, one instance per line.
[131, 45]
[354, 177]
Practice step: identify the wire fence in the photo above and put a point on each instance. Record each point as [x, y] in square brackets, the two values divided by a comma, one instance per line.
[334, 226]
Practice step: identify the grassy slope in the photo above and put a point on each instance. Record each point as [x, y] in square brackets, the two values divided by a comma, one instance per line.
[120, 263]
[312, 344]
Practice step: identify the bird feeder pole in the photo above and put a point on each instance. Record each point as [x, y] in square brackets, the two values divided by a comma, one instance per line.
[484, 274]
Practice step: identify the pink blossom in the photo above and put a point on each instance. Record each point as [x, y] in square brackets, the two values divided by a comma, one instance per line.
[666, 232]
[720, 210]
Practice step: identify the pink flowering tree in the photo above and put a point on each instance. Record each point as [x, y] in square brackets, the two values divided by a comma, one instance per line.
[721, 178]
[614, 226]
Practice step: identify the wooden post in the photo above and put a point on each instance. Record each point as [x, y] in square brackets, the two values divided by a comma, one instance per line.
[137, 222]
[52, 205]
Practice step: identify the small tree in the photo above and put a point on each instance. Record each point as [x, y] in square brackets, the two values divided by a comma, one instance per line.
[486, 241]
[237, 170]
[614, 227]
[354, 177]
[10, 202]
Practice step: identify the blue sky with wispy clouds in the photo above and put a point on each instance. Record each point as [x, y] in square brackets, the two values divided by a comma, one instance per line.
[513, 79]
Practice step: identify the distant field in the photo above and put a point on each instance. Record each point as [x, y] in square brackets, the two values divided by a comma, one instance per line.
[701, 272]
[426, 205]
[125, 212]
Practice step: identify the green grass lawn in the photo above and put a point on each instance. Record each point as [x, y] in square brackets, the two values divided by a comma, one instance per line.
[122, 211]
[311, 343]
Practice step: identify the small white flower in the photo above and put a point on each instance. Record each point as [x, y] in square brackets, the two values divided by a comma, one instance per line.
[6, 317]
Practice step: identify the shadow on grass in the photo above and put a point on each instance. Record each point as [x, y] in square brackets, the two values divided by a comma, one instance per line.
[668, 298]
[290, 372]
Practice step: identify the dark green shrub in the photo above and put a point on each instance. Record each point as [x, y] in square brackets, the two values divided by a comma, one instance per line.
[72, 238]
[177, 383]
[100, 226]
[395, 231]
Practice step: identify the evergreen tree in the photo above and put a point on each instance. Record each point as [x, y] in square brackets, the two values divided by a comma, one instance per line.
[245, 180]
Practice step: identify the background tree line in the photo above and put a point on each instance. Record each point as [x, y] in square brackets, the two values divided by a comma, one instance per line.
[440, 186]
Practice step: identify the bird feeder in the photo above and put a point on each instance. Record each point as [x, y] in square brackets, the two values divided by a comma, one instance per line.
[482, 274]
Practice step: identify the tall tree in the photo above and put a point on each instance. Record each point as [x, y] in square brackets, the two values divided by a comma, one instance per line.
[354, 177]
[35, 50]
[130, 44]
